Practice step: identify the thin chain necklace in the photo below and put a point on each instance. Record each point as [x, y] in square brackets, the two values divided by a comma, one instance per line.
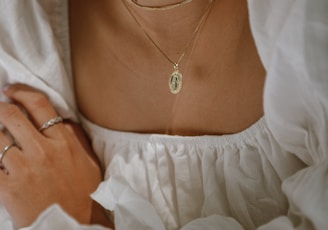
[175, 80]
[163, 7]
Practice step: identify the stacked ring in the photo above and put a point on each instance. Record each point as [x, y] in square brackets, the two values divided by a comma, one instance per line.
[50, 123]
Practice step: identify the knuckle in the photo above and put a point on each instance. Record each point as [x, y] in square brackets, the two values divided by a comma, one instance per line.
[39, 100]
[10, 111]
[47, 154]
[44, 158]
[42, 151]
[63, 145]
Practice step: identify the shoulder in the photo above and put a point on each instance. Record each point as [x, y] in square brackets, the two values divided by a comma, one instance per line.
[292, 39]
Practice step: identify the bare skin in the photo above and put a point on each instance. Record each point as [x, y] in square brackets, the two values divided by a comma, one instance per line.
[116, 66]
[51, 166]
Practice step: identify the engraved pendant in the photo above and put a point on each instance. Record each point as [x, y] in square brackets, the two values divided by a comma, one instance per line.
[175, 81]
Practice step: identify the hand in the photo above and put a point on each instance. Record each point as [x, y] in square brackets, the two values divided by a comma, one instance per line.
[50, 167]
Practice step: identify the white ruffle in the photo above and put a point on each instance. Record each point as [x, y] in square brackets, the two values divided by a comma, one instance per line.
[131, 210]
[57, 219]
[186, 178]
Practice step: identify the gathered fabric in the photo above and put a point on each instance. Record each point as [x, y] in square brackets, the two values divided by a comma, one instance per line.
[186, 178]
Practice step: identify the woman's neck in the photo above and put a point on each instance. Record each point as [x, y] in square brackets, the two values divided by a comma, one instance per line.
[164, 26]
[160, 4]
[163, 23]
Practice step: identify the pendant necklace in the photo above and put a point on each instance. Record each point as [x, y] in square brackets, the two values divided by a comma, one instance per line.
[163, 7]
[175, 80]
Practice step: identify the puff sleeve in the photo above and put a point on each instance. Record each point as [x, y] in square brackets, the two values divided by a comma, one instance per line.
[32, 51]
[296, 102]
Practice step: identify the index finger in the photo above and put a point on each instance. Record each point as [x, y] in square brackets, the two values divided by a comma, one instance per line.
[37, 105]
[18, 125]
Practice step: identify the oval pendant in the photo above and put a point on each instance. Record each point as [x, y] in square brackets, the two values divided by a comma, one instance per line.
[175, 82]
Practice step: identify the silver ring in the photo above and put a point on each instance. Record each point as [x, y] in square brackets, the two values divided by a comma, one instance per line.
[3, 152]
[50, 123]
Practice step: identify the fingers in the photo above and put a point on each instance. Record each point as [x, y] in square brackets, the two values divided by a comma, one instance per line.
[37, 105]
[18, 125]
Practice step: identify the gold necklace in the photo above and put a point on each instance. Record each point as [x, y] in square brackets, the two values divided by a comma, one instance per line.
[175, 80]
[163, 7]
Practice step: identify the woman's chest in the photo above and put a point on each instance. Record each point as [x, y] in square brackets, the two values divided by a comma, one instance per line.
[122, 80]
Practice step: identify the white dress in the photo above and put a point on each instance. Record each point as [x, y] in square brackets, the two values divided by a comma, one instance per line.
[273, 175]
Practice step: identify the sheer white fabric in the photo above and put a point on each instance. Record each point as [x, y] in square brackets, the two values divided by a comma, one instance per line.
[271, 176]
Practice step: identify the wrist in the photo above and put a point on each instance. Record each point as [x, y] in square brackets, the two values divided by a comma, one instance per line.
[99, 216]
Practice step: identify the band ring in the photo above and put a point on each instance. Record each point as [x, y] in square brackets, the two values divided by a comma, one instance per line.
[3, 153]
[51, 122]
